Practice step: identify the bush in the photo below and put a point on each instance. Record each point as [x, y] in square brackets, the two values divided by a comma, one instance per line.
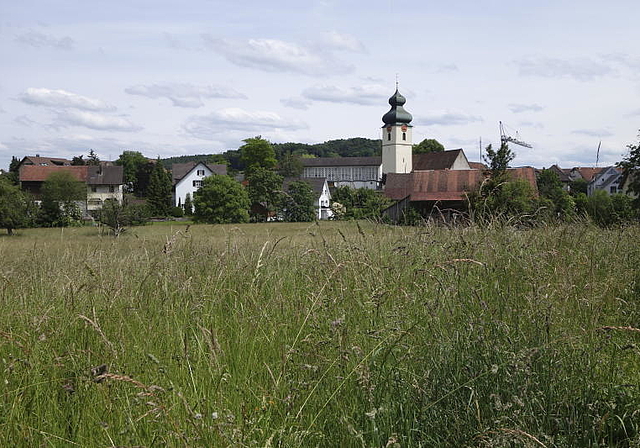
[176, 212]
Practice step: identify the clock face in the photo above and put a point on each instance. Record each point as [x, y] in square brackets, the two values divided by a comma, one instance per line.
[404, 128]
[388, 128]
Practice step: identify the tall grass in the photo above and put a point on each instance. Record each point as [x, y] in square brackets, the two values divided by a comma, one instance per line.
[330, 334]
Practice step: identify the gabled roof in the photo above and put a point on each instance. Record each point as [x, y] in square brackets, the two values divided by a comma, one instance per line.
[444, 185]
[37, 173]
[563, 174]
[477, 166]
[317, 183]
[442, 160]
[44, 161]
[105, 175]
[342, 161]
[586, 173]
[180, 170]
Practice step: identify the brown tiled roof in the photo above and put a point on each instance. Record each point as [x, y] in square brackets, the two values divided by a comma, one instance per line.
[105, 175]
[477, 166]
[443, 185]
[341, 161]
[441, 160]
[50, 161]
[37, 173]
[179, 170]
[563, 174]
[587, 173]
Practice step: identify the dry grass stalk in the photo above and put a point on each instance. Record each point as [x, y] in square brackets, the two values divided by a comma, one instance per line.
[94, 324]
[125, 378]
[609, 328]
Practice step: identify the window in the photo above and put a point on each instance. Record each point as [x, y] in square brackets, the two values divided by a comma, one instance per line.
[404, 136]
[112, 189]
[613, 190]
[388, 135]
[200, 173]
[197, 183]
[94, 189]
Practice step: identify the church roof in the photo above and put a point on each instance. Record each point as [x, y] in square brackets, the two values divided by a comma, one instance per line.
[397, 115]
[437, 160]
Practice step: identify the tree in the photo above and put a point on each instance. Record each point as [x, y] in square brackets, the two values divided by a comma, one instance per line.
[16, 208]
[557, 202]
[257, 153]
[578, 186]
[218, 159]
[428, 145]
[137, 171]
[92, 158]
[631, 170]
[78, 161]
[188, 205]
[117, 217]
[61, 193]
[159, 190]
[499, 160]
[265, 191]
[221, 200]
[361, 203]
[13, 176]
[290, 166]
[298, 203]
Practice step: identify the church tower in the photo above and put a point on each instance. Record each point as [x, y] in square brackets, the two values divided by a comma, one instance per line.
[396, 137]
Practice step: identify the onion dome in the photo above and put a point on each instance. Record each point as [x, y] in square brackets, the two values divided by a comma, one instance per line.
[397, 115]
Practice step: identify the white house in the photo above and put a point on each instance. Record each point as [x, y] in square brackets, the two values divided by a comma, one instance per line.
[608, 180]
[104, 183]
[322, 195]
[354, 172]
[188, 177]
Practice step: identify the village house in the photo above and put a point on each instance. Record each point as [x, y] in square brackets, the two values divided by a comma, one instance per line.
[607, 179]
[103, 182]
[43, 161]
[187, 178]
[322, 194]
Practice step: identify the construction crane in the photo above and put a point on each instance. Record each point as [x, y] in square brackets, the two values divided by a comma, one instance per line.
[504, 138]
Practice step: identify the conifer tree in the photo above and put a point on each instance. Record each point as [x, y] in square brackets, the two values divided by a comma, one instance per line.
[159, 190]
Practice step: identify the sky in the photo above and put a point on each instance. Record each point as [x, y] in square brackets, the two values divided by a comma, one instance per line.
[171, 78]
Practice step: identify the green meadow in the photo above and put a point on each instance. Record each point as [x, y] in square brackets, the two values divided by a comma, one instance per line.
[336, 334]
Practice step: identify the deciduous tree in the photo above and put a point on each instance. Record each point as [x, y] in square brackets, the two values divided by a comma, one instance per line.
[265, 191]
[221, 200]
[61, 193]
[298, 203]
[159, 190]
[16, 208]
[428, 145]
[257, 153]
[631, 170]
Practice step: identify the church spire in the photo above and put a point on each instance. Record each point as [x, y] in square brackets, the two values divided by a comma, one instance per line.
[397, 115]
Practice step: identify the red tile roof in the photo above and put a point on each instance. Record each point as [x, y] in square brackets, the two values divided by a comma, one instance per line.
[477, 166]
[588, 173]
[37, 173]
[444, 185]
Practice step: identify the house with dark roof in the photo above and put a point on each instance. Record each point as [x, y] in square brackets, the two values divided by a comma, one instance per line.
[608, 179]
[583, 172]
[103, 182]
[354, 172]
[453, 159]
[188, 177]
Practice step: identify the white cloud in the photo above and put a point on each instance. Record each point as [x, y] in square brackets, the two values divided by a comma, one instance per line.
[274, 55]
[532, 124]
[184, 95]
[208, 127]
[340, 41]
[62, 99]
[519, 108]
[296, 103]
[447, 118]
[580, 69]
[24, 120]
[38, 40]
[593, 132]
[95, 121]
[364, 95]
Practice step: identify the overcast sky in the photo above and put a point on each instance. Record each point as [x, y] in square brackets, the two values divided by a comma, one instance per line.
[169, 78]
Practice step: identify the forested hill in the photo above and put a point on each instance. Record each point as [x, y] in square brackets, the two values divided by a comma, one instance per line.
[352, 147]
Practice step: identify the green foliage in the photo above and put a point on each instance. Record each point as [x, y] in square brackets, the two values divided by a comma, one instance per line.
[61, 193]
[500, 197]
[137, 171]
[555, 201]
[176, 212]
[117, 217]
[159, 190]
[218, 159]
[78, 161]
[361, 203]
[498, 161]
[298, 203]
[257, 153]
[221, 200]
[14, 164]
[428, 145]
[290, 165]
[631, 171]
[607, 210]
[188, 205]
[16, 208]
[352, 147]
[92, 158]
[578, 186]
[265, 190]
